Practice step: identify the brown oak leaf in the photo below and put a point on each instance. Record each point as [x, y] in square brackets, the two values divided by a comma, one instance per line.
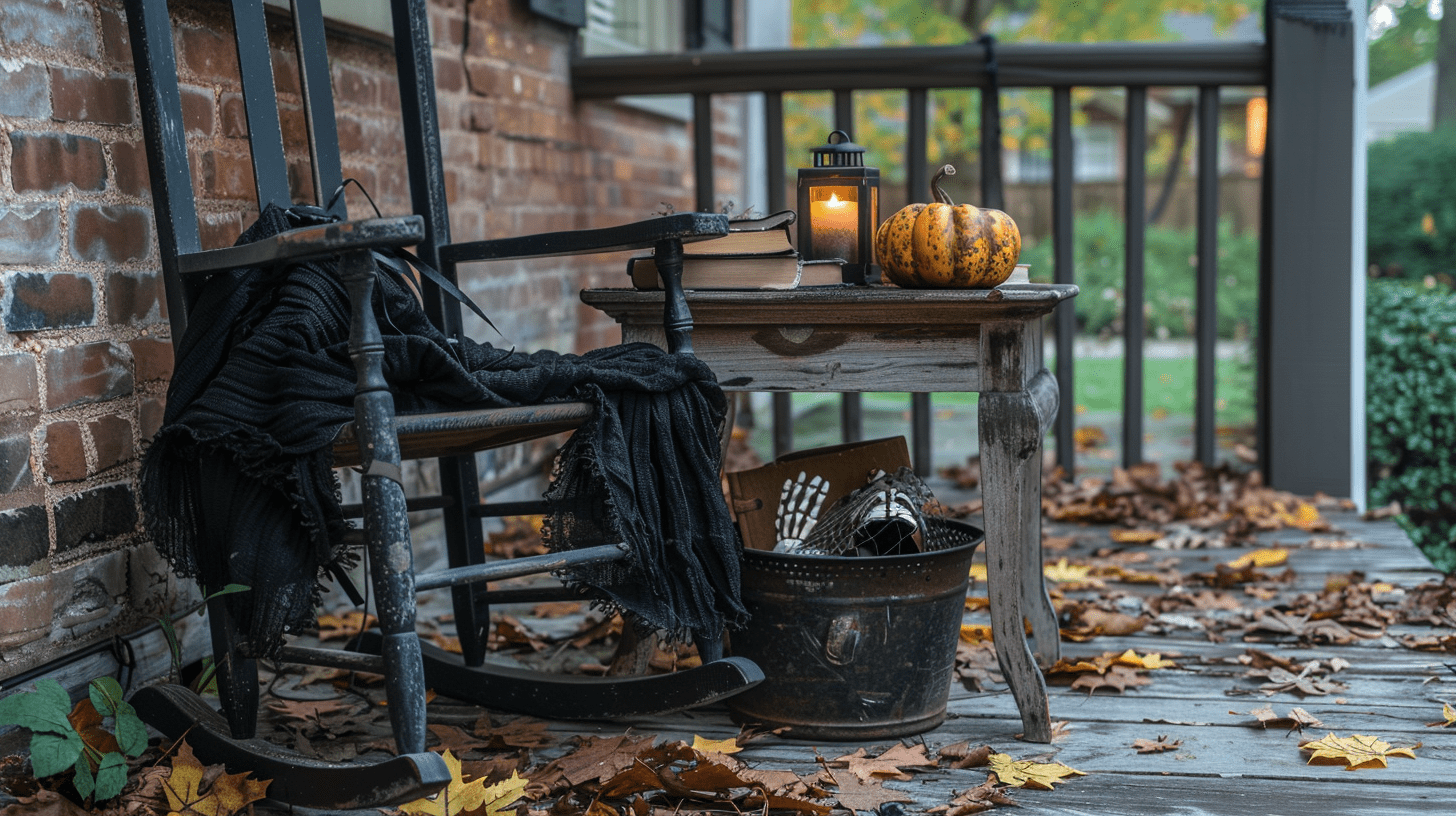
[1158, 746]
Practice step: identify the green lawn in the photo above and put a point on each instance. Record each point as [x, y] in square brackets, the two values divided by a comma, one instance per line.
[1168, 388]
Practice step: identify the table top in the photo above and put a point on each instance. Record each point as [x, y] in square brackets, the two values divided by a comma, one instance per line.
[821, 304]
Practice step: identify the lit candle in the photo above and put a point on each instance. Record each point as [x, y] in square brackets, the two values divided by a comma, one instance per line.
[836, 228]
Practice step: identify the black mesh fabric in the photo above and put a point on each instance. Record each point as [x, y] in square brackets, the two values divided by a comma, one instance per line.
[237, 487]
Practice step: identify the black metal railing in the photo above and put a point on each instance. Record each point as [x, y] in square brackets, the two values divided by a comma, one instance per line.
[919, 69]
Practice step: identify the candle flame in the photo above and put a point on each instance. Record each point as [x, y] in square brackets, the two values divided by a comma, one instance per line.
[834, 201]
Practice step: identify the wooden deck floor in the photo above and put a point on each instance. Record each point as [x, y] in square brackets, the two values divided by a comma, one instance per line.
[1224, 764]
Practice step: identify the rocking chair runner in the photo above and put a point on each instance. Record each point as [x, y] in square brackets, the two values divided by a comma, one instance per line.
[377, 438]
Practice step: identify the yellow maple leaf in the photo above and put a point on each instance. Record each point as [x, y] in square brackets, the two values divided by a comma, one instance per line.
[975, 603]
[1448, 717]
[1121, 536]
[707, 746]
[978, 572]
[1264, 557]
[228, 793]
[975, 632]
[471, 797]
[1305, 516]
[1024, 773]
[1355, 751]
[1064, 572]
[1152, 660]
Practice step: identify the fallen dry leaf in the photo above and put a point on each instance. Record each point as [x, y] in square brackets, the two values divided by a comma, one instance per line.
[707, 746]
[1354, 752]
[192, 788]
[1263, 557]
[1298, 719]
[1117, 677]
[976, 633]
[1025, 773]
[1064, 572]
[472, 797]
[979, 799]
[858, 796]
[343, 625]
[1448, 717]
[961, 755]
[1138, 536]
[889, 765]
[1158, 746]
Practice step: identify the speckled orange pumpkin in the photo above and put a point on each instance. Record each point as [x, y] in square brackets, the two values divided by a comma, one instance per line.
[947, 246]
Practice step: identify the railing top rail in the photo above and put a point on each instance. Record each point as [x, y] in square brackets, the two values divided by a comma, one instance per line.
[942, 66]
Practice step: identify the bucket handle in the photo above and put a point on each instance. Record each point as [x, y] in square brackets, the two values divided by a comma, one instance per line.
[843, 638]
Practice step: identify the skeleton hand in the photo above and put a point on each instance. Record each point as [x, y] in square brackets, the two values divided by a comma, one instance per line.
[799, 504]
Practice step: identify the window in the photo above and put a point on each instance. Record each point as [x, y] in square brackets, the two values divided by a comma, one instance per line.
[660, 26]
[632, 27]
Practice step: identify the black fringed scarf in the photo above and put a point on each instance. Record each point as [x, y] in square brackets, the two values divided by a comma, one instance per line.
[238, 487]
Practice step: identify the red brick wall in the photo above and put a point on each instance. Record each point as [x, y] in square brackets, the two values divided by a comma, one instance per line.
[85, 349]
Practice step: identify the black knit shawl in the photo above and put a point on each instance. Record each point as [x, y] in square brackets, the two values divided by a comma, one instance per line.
[238, 487]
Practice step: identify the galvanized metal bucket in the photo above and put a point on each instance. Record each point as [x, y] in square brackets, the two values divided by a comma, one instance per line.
[853, 647]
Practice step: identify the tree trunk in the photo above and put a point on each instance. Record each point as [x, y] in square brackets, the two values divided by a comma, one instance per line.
[1445, 113]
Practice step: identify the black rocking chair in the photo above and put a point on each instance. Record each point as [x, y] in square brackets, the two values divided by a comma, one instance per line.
[378, 439]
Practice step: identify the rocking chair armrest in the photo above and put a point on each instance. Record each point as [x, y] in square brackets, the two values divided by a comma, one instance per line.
[308, 242]
[687, 227]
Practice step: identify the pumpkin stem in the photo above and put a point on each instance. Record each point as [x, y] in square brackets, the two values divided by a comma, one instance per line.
[939, 194]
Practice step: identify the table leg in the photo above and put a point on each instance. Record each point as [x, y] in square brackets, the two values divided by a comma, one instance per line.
[1011, 427]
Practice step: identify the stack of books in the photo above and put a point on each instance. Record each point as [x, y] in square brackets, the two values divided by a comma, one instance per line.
[757, 253]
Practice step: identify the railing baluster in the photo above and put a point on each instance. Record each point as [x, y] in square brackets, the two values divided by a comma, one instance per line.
[1207, 299]
[917, 135]
[1062, 259]
[851, 405]
[773, 122]
[1134, 322]
[703, 150]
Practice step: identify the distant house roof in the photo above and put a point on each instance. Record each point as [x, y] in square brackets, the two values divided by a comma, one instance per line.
[1401, 104]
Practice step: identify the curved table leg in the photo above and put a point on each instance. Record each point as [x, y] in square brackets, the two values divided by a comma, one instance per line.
[1011, 428]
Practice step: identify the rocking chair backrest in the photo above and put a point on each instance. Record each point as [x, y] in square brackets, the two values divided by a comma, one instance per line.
[167, 150]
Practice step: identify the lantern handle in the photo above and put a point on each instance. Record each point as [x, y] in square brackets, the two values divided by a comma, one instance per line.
[939, 194]
[844, 137]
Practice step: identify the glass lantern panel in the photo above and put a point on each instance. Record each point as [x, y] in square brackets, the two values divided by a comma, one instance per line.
[834, 221]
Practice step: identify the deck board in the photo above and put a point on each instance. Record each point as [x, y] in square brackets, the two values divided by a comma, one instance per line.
[1225, 766]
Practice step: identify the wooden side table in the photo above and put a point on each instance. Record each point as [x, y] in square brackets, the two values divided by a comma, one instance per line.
[888, 339]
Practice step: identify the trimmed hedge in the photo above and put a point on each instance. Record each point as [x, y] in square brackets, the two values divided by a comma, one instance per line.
[1411, 214]
[1411, 410]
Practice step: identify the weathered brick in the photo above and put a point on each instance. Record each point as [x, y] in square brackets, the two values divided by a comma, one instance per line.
[25, 611]
[47, 162]
[115, 38]
[49, 24]
[285, 71]
[111, 436]
[35, 301]
[65, 452]
[115, 233]
[234, 116]
[222, 229]
[449, 75]
[87, 594]
[19, 390]
[134, 297]
[209, 54]
[129, 162]
[25, 91]
[197, 110]
[95, 515]
[81, 96]
[15, 470]
[353, 86]
[152, 359]
[27, 537]
[149, 417]
[227, 175]
[90, 372]
[30, 235]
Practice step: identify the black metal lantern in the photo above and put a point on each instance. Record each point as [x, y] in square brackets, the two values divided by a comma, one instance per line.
[839, 209]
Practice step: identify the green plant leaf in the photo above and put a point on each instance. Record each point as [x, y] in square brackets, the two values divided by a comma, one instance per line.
[106, 694]
[174, 648]
[131, 733]
[110, 776]
[83, 780]
[44, 709]
[54, 753]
